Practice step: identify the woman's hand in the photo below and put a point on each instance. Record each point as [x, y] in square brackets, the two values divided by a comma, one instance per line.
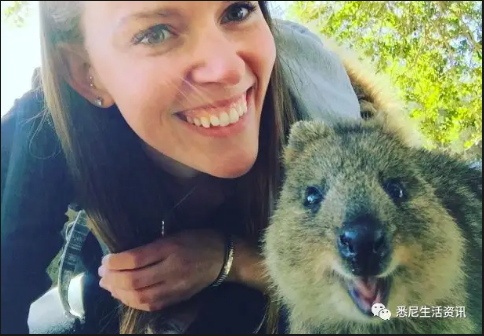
[165, 272]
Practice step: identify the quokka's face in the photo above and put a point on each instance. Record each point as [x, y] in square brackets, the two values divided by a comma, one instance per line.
[356, 225]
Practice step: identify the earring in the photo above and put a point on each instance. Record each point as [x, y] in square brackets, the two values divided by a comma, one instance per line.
[99, 101]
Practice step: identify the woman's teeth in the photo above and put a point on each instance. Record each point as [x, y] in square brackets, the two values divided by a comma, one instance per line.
[218, 117]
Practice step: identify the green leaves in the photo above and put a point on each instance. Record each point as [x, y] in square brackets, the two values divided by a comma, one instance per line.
[432, 50]
[15, 12]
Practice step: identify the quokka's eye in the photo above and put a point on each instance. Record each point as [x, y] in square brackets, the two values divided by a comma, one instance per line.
[395, 190]
[313, 198]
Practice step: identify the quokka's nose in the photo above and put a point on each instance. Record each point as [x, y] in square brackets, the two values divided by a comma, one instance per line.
[364, 247]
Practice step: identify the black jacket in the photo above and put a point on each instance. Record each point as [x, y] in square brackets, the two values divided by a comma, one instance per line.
[36, 192]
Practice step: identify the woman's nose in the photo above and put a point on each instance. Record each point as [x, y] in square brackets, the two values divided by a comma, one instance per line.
[217, 59]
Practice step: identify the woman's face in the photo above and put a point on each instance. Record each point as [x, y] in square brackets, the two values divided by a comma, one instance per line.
[188, 77]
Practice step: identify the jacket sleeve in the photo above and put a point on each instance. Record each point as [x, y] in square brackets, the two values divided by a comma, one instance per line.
[317, 80]
[35, 193]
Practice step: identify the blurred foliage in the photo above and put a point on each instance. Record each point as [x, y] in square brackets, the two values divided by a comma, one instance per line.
[15, 12]
[431, 50]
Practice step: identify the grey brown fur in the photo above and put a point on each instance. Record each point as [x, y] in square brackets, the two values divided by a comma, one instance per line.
[435, 232]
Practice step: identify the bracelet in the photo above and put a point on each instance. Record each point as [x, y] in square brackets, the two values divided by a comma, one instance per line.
[228, 261]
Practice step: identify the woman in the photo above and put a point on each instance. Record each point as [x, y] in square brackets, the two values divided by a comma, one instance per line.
[164, 117]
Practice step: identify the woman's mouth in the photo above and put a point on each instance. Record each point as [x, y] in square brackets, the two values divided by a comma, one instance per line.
[217, 117]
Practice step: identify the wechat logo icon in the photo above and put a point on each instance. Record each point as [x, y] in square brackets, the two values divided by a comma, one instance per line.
[380, 310]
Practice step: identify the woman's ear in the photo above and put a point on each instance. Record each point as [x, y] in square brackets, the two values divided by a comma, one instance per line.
[82, 77]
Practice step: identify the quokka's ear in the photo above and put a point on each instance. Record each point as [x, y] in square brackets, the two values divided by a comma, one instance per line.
[303, 133]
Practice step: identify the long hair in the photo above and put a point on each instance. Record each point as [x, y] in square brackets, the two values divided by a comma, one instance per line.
[116, 183]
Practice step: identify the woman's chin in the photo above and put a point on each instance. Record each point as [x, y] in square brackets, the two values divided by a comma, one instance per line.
[230, 169]
[231, 173]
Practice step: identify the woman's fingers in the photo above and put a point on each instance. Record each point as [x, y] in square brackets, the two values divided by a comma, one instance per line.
[139, 257]
[141, 278]
[152, 298]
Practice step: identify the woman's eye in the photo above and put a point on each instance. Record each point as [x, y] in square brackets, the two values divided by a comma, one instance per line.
[238, 12]
[153, 36]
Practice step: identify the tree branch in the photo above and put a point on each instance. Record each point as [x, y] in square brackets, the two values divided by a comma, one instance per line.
[466, 31]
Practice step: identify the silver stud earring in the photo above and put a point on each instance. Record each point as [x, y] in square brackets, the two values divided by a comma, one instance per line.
[99, 101]
[91, 81]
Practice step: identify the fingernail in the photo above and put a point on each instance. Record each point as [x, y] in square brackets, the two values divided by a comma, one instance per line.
[101, 271]
[105, 260]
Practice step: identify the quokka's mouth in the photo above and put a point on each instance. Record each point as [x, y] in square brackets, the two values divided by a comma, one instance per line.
[365, 292]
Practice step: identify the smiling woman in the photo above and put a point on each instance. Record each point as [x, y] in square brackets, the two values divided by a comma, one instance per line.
[171, 118]
[197, 61]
